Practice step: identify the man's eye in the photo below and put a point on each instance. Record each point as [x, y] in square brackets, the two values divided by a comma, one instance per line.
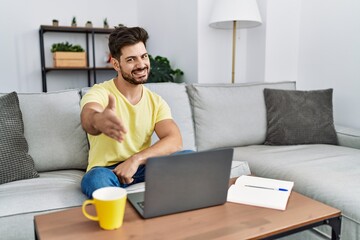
[145, 56]
[129, 60]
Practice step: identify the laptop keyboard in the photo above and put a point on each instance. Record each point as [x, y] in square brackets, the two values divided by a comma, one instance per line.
[141, 204]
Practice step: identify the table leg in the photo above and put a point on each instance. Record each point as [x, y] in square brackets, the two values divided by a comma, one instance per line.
[335, 224]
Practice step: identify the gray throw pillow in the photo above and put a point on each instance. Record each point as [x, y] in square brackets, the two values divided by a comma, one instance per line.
[15, 162]
[299, 117]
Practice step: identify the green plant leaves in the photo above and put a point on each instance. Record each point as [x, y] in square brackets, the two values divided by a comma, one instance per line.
[161, 71]
[66, 47]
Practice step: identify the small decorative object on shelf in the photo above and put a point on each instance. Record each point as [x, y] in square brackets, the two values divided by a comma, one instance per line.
[73, 22]
[88, 24]
[55, 22]
[106, 24]
[107, 59]
[88, 56]
[68, 55]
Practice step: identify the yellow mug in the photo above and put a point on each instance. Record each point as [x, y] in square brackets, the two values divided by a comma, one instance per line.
[110, 204]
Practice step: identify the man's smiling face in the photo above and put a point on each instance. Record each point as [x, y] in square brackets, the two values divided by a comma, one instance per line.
[135, 63]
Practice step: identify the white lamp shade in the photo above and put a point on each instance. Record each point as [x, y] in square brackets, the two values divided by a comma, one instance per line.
[244, 12]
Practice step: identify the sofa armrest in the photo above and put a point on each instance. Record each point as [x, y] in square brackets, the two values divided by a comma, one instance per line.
[348, 137]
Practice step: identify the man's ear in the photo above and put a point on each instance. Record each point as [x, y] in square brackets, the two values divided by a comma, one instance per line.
[115, 63]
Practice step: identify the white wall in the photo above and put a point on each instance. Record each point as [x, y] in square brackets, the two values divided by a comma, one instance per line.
[329, 54]
[215, 50]
[172, 28]
[256, 39]
[317, 44]
[282, 40]
[19, 41]
[313, 42]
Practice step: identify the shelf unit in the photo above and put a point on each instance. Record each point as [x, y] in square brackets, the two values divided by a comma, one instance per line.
[80, 30]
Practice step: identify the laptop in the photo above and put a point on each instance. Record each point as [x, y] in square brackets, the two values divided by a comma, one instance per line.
[184, 182]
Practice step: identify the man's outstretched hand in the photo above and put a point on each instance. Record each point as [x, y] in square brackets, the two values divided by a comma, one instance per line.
[109, 123]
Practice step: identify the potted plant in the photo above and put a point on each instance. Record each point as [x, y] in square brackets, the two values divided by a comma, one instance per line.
[88, 24]
[66, 47]
[106, 24]
[73, 22]
[55, 22]
[161, 71]
[68, 55]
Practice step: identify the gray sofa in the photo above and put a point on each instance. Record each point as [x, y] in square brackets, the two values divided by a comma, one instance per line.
[209, 116]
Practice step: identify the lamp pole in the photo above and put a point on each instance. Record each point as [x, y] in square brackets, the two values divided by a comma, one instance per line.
[233, 53]
[227, 14]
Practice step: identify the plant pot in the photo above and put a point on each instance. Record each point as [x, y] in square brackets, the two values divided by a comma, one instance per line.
[69, 59]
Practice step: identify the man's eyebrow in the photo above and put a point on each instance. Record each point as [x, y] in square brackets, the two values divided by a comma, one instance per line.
[132, 57]
[129, 57]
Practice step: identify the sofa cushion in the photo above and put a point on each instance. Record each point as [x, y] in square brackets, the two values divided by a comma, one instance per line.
[53, 130]
[348, 137]
[52, 190]
[326, 173]
[15, 162]
[228, 115]
[176, 96]
[299, 117]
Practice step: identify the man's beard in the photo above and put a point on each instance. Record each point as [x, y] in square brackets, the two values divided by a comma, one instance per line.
[130, 79]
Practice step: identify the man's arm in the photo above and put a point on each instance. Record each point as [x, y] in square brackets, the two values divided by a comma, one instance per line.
[170, 141]
[96, 120]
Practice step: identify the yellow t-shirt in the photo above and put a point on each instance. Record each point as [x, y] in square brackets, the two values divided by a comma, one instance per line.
[139, 119]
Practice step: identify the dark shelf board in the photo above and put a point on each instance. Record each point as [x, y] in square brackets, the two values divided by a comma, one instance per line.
[105, 68]
[49, 28]
[47, 69]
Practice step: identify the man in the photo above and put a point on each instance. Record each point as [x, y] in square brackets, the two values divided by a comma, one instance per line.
[121, 114]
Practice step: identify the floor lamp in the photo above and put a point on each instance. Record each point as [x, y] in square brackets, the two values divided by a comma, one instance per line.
[233, 14]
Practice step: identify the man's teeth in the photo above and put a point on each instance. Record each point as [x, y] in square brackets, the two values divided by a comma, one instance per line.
[137, 72]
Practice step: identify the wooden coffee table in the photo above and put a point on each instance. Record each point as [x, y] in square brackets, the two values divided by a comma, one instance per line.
[228, 221]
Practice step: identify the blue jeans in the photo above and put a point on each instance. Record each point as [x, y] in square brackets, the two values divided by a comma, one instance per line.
[99, 177]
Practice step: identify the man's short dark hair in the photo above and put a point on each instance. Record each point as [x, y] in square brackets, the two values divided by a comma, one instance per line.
[124, 36]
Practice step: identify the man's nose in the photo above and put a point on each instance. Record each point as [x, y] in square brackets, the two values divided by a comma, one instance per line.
[140, 63]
